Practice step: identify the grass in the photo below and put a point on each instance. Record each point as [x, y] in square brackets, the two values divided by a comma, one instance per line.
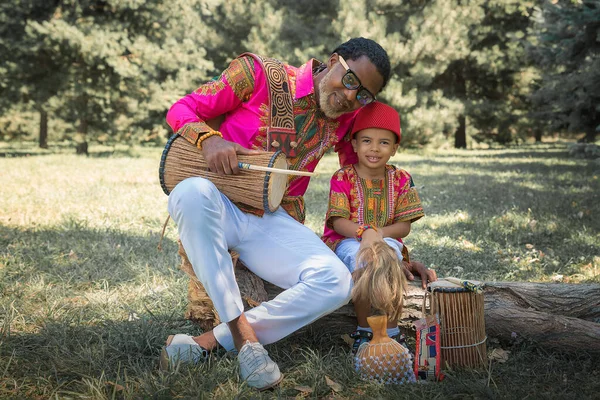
[87, 300]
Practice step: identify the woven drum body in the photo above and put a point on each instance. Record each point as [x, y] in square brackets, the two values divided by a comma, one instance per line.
[462, 323]
[257, 189]
[383, 359]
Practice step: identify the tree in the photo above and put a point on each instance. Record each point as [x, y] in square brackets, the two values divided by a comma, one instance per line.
[492, 80]
[422, 39]
[123, 61]
[567, 48]
[110, 67]
[28, 78]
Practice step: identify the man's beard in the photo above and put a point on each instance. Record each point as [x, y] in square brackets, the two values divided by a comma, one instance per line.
[328, 109]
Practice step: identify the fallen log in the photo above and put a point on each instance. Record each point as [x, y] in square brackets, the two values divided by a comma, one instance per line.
[556, 316]
[553, 315]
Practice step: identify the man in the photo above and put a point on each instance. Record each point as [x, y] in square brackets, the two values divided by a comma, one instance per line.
[276, 247]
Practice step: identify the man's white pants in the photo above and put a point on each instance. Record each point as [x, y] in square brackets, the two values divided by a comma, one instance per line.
[275, 247]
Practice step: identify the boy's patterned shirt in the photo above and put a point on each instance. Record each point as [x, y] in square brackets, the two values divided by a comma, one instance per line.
[377, 202]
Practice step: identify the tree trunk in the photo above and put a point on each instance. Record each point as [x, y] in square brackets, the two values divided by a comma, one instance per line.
[558, 316]
[460, 136]
[43, 129]
[82, 147]
[590, 135]
[554, 316]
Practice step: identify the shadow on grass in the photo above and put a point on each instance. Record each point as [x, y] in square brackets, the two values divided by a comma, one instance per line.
[504, 220]
[98, 151]
[74, 253]
[119, 359]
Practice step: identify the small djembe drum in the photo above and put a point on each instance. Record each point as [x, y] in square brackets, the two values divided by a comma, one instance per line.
[383, 359]
[459, 306]
[261, 190]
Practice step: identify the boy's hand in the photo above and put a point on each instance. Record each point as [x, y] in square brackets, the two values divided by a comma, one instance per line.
[369, 237]
[417, 268]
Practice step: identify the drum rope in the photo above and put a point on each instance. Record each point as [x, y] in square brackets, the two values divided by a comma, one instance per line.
[466, 345]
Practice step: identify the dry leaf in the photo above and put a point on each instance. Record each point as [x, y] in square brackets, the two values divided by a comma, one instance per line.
[499, 355]
[336, 387]
[251, 302]
[346, 338]
[304, 389]
[117, 387]
[73, 255]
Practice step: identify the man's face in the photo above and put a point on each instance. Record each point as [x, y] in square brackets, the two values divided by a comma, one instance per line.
[334, 98]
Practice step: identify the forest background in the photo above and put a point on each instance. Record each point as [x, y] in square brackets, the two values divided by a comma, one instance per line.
[465, 72]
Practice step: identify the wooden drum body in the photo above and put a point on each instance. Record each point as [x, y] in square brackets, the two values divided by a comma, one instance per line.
[459, 305]
[257, 189]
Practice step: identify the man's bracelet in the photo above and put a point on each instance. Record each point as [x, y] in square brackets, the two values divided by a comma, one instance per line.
[206, 136]
[361, 229]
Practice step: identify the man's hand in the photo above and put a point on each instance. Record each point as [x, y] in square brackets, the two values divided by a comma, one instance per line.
[417, 268]
[221, 155]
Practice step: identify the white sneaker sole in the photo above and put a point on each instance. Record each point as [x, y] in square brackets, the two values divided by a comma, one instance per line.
[272, 385]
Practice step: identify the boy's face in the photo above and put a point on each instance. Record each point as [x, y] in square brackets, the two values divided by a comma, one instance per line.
[374, 147]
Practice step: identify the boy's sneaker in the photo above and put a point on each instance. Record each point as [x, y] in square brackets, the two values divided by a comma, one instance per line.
[400, 338]
[257, 368]
[360, 336]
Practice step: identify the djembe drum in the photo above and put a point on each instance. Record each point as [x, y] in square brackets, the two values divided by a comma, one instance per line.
[459, 305]
[258, 189]
[383, 359]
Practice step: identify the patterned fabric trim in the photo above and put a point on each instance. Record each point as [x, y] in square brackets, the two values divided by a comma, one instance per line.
[211, 87]
[250, 210]
[410, 207]
[294, 205]
[240, 75]
[375, 200]
[281, 131]
[339, 206]
[316, 134]
[332, 244]
[405, 255]
[260, 140]
[372, 205]
[192, 131]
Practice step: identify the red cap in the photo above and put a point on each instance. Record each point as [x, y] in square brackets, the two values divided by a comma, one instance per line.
[377, 115]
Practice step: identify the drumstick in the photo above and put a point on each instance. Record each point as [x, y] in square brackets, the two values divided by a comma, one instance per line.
[243, 165]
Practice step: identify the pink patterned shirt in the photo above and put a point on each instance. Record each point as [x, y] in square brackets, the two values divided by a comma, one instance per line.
[241, 94]
[377, 202]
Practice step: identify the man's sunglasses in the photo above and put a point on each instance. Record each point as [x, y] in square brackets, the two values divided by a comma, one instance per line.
[351, 81]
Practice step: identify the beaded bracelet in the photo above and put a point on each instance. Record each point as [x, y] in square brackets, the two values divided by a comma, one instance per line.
[361, 229]
[206, 136]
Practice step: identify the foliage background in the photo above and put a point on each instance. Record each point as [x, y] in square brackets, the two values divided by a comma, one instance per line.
[464, 71]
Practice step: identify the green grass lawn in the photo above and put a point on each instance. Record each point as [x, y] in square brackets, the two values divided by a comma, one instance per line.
[87, 300]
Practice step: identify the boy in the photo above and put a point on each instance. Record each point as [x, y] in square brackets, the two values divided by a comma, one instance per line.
[373, 201]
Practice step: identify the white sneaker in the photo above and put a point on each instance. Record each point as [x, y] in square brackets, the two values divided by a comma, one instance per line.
[257, 368]
[181, 348]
